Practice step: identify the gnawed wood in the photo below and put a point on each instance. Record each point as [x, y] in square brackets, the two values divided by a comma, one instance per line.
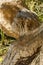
[24, 47]
[28, 43]
[16, 21]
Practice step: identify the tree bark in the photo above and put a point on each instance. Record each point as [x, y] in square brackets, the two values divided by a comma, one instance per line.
[24, 50]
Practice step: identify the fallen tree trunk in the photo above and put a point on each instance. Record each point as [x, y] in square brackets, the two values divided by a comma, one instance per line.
[24, 49]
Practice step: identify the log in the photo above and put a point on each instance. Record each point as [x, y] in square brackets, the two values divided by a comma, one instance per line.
[24, 49]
